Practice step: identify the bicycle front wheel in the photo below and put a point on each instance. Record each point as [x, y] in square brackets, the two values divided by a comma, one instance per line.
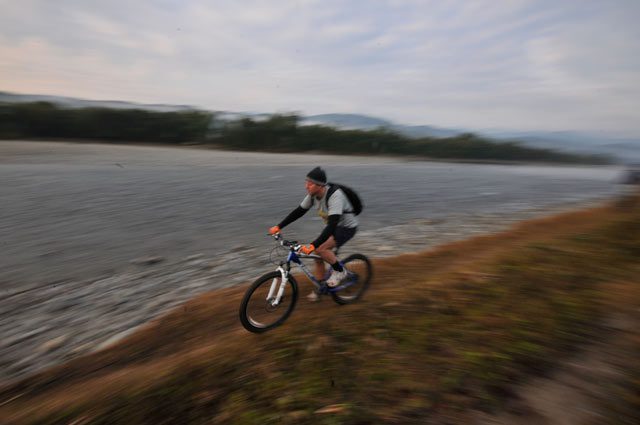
[360, 272]
[268, 302]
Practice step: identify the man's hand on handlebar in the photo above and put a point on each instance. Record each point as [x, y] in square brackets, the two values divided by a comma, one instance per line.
[307, 249]
[274, 230]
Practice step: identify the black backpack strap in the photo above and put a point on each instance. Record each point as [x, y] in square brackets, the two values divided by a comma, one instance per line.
[332, 189]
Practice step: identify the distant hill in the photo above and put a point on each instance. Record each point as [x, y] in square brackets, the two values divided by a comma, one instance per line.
[364, 122]
[626, 149]
[347, 121]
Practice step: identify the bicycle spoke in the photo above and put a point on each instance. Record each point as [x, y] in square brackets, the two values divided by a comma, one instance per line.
[267, 303]
[359, 269]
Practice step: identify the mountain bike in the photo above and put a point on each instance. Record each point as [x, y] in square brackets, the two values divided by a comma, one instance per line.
[270, 300]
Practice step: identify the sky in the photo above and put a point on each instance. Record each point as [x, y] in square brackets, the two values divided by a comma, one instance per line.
[473, 64]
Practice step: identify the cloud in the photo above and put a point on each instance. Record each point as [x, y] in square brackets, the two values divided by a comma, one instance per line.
[522, 64]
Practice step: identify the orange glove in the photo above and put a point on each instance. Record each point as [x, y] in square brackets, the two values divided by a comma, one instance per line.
[307, 249]
[274, 230]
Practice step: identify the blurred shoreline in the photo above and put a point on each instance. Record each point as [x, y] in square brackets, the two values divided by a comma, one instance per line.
[346, 156]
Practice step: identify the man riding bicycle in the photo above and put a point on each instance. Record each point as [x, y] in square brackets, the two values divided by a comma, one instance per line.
[341, 224]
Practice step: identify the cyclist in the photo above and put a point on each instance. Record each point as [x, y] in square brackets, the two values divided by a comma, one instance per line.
[341, 225]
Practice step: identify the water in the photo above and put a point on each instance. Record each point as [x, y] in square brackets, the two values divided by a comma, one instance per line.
[73, 211]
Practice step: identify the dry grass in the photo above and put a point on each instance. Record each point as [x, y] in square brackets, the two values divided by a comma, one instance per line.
[439, 333]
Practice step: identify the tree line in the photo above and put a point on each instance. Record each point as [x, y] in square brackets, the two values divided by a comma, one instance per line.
[46, 120]
[277, 133]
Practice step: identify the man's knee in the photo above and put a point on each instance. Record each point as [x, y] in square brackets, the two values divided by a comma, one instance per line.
[320, 250]
[328, 245]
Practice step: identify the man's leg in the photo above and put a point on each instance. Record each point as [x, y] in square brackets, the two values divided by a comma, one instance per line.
[327, 254]
[320, 269]
[325, 251]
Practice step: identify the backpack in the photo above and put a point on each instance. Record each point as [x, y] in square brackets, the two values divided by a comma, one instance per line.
[352, 196]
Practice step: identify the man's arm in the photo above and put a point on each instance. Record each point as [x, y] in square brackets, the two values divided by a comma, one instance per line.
[302, 209]
[293, 216]
[328, 230]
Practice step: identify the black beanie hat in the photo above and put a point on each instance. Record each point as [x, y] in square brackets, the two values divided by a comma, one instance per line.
[317, 176]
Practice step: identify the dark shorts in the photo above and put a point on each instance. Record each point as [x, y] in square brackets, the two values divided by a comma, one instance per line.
[343, 234]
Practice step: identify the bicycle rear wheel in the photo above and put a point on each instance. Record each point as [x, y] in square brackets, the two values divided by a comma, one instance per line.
[360, 271]
[258, 310]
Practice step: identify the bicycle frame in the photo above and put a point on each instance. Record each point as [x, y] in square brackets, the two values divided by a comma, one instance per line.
[285, 269]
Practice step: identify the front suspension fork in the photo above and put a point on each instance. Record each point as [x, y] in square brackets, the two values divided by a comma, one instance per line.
[276, 290]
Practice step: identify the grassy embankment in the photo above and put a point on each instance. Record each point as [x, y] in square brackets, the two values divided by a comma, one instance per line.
[439, 334]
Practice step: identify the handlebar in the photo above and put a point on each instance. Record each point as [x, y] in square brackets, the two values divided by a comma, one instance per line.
[293, 245]
[289, 244]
